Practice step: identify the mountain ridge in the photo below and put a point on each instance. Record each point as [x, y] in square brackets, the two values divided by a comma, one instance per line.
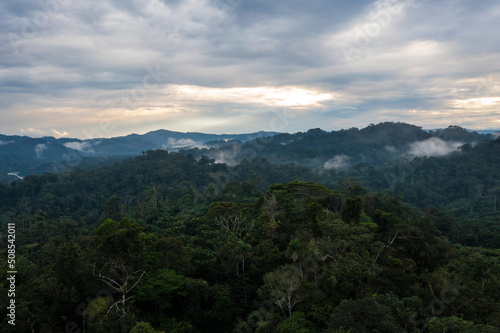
[374, 144]
[27, 155]
[315, 149]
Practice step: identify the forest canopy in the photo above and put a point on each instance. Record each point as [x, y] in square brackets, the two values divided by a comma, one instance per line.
[173, 242]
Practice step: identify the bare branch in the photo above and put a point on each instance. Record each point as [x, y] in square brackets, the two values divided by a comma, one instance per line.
[139, 280]
[118, 283]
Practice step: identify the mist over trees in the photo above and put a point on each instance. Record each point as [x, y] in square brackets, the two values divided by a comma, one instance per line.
[278, 240]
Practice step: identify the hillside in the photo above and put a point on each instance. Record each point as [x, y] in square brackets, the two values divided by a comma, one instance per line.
[208, 247]
[376, 144]
[27, 156]
[408, 244]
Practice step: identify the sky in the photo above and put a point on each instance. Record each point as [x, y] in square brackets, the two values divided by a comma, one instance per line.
[104, 68]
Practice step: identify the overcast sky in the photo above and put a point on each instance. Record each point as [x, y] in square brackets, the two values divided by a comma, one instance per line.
[98, 68]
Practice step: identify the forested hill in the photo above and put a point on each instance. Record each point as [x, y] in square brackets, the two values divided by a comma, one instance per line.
[466, 182]
[196, 246]
[22, 155]
[337, 150]
[376, 144]
[173, 242]
[167, 178]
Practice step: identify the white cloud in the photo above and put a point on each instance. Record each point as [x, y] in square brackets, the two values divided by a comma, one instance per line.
[32, 131]
[84, 146]
[433, 147]
[227, 156]
[337, 162]
[58, 134]
[174, 143]
[391, 149]
[15, 174]
[39, 149]
[269, 96]
[38, 132]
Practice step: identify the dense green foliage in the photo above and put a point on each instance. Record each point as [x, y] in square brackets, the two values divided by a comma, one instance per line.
[166, 243]
[24, 155]
[376, 144]
[175, 242]
[465, 183]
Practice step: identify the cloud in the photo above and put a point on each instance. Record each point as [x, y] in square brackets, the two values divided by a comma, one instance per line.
[173, 143]
[38, 132]
[39, 149]
[58, 134]
[84, 146]
[338, 162]
[15, 174]
[5, 142]
[269, 96]
[391, 149]
[227, 155]
[32, 131]
[230, 67]
[433, 147]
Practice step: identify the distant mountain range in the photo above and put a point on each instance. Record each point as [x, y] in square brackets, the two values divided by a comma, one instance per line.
[22, 155]
[376, 144]
[487, 131]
